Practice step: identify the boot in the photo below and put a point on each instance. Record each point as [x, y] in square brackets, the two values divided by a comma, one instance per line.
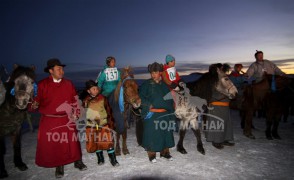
[166, 154]
[59, 172]
[112, 157]
[152, 156]
[80, 165]
[100, 157]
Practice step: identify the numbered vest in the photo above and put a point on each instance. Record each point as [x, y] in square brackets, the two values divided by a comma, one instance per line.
[171, 73]
[111, 74]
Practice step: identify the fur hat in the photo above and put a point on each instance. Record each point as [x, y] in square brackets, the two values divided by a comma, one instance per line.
[169, 58]
[89, 84]
[51, 63]
[154, 67]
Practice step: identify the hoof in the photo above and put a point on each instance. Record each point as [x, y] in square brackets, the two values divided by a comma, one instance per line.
[126, 151]
[201, 149]
[250, 136]
[22, 167]
[3, 174]
[117, 152]
[181, 149]
[276, 136]
[268, 136]
[217, 145]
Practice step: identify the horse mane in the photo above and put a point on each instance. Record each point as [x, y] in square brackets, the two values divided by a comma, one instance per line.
[20, 70]
[126, 72]
[203, 87]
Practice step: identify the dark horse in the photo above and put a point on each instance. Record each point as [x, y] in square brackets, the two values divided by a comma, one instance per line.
[19, 91]
[122, 100]
[270, 95]
[214, 80]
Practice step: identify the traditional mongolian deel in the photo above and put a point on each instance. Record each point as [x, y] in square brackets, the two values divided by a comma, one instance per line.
[158, 133]
[99, 124]
[57, 139]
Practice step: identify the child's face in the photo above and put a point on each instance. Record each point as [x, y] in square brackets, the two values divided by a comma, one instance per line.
[172, 63]
[93, 91]
[156, 76]
[112, 63]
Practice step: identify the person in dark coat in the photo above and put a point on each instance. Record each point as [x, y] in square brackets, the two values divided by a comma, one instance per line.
[158, 115]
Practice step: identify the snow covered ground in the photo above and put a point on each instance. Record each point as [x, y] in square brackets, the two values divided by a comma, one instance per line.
[248, 159]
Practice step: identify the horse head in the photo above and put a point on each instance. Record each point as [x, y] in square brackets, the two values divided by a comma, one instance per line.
[23, 79]
[224, 85]
[131, 94]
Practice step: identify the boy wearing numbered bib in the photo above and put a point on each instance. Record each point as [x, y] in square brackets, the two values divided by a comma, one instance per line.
[170, 75]
[109, 77]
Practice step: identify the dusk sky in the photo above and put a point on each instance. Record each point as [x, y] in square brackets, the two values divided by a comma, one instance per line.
[82, 33]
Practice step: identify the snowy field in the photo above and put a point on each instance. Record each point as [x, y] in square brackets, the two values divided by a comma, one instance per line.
[248, 159]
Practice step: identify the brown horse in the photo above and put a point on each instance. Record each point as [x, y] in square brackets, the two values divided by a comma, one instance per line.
[266, 96]
[122, 100]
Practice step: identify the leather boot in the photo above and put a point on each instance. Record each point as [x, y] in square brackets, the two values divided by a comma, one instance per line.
[112, 158]
[59, 172]
[100, 157]
[152, 156]
[166, 154]
[80, 165]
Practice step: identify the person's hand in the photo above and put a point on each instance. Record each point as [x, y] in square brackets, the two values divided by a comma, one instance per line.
[177, 89]
[182, 84]
[35, 105]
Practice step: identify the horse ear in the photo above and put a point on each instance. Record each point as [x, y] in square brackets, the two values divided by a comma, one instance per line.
[33, 67]
[15, 66]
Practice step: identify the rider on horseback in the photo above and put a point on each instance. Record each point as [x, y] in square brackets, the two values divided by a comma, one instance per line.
[260, 66]
[109, 77]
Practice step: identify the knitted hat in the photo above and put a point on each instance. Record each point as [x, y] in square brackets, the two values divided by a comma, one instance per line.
[155, 67]
[169, 58]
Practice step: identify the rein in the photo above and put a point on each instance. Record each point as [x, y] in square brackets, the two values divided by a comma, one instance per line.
[121, 101]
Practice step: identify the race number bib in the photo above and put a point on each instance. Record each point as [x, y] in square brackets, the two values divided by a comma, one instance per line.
[171, 73]
[111, 74]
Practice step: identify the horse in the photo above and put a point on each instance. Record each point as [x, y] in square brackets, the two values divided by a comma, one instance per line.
[19, 92]
[124, 98]
[203, 88]
[270, 95]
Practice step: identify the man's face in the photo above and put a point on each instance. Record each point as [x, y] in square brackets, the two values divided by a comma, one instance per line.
[259, 57]
[57, 72]
[156, 76]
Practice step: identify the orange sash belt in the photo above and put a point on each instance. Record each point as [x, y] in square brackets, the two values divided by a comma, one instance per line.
[219, 103]
[157, 110]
